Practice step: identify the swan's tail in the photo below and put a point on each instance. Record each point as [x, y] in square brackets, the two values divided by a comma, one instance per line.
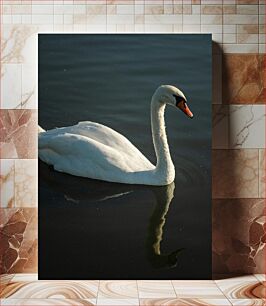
[40, 130]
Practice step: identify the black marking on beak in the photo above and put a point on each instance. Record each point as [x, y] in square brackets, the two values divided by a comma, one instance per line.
[178, 99]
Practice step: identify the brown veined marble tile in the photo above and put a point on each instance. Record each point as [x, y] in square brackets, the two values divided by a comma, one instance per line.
[184, 302]
[245, 287]
[229, 9]
[49, 302]
[239, 236]
[243, 79]
[247, 1]
[5, 279]
[212, 9]
[248, 302]
[51, 289]
[18, 133]
[18, 240]
[118, 289]
[235, 173]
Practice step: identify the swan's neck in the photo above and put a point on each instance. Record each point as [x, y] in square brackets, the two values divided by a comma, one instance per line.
[164, 167]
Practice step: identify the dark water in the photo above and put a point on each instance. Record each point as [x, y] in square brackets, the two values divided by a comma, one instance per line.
[96, 230]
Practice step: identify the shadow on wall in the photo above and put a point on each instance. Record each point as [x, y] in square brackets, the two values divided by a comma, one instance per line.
[238, 215]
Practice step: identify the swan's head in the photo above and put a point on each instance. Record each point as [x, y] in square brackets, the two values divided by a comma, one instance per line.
[171, 95]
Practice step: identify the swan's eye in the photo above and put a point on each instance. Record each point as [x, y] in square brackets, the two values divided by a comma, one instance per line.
[178, 99]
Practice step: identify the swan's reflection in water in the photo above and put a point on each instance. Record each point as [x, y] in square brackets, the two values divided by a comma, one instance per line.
[164, 196]
[77, 190]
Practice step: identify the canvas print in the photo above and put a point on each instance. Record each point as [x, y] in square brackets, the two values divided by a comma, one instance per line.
[124, 148]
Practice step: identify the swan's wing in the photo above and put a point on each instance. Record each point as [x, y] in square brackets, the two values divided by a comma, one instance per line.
[82, 156]
[104, 135]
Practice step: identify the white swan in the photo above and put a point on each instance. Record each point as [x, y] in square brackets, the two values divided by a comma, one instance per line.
[93, 150]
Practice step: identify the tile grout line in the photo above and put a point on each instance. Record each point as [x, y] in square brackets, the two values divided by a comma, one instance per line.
[175, 290]
[138, 291]
[222, 291]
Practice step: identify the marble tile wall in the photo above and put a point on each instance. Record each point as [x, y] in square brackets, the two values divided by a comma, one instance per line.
[238, 30]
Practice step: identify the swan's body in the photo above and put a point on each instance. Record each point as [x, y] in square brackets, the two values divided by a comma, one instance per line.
[93, 150]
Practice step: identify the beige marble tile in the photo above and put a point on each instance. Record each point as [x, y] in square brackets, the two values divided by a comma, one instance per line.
[247, 1]
[118, 302]
[28, 90]
[216, 2]
[120, 19]
[51, 290]
[209, 28]
[187, 9]
[26, 183]
[197, 289]
[229, 38]
[153, 9]
[122, 1]
[80, 19]
[212, 9]
[211, 19]
[96, 9]
[247, 9]
[247, 38]
[163, 19]
[184, 302]
[7, 183]
[246, 126]
[10, 85]
[229, 29]
[125, 9]
[155, 289]
[139, 8]
[260, 277]
[240, 49]
[79, 9]
[42, 19]
[43, 9]
[191, 28]
[262, 170]
[48, 302]
[158, 28]
[178, 9]
[118, 289]
[235, 173]
[240, 19]
[25, 277]
[248, 29]
[229, 9]
[191, 19]
[168, 9]
[195, 9]
[19, 44]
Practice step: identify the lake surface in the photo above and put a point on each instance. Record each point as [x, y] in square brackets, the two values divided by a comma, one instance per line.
[90, 229]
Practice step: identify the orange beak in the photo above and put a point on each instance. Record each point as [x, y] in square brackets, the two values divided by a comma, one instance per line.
[185, 109]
